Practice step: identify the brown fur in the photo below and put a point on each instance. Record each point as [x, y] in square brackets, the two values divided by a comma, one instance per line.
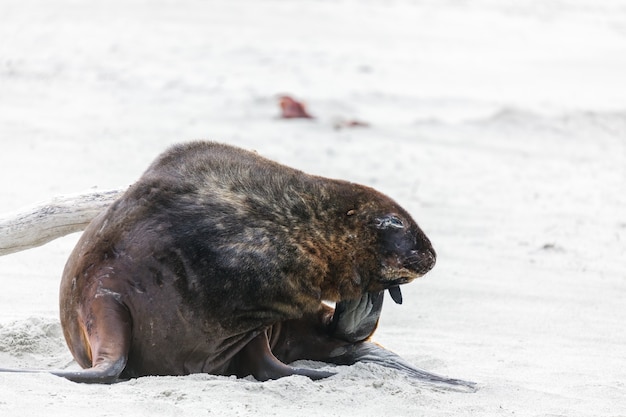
[217, 255]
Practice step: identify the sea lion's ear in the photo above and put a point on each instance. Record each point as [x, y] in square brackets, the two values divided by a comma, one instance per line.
[388, 222]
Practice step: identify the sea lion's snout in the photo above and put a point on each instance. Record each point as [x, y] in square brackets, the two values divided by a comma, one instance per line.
[421, 261]
[407, 253]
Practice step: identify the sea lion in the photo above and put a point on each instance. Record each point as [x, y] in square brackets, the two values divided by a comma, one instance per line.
[219, 261]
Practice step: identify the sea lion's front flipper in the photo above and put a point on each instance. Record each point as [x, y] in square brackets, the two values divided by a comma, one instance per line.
[356, 320]
[370, 352]
[257, 359]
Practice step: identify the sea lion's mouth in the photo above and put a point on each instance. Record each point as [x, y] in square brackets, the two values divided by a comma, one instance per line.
[396, 282]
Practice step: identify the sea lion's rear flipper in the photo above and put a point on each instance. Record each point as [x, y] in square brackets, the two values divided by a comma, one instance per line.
[102, 341]
[370, 352]
[100, 338]
[356, 320]
[257, 359]
[106, 372]
[103, 374]
[108, 336]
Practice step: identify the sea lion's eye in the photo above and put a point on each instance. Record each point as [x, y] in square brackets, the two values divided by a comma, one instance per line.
[389, 222]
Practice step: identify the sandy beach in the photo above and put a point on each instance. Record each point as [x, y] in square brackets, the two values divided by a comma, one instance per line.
[500, 127]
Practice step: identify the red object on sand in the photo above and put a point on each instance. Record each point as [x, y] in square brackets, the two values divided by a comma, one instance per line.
[292, 109]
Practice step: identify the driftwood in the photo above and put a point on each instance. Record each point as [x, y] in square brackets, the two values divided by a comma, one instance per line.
[61, 216]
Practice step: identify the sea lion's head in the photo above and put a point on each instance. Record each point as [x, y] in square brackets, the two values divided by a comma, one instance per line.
[404, 252]
[395, 250]
[370, 243]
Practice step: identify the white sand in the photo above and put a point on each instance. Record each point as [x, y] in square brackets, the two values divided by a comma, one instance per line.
[500, 127]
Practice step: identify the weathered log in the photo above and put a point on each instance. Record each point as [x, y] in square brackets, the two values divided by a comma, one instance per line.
[34, 226]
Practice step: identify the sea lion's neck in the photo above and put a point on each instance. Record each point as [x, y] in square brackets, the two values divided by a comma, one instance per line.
[337, 236]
